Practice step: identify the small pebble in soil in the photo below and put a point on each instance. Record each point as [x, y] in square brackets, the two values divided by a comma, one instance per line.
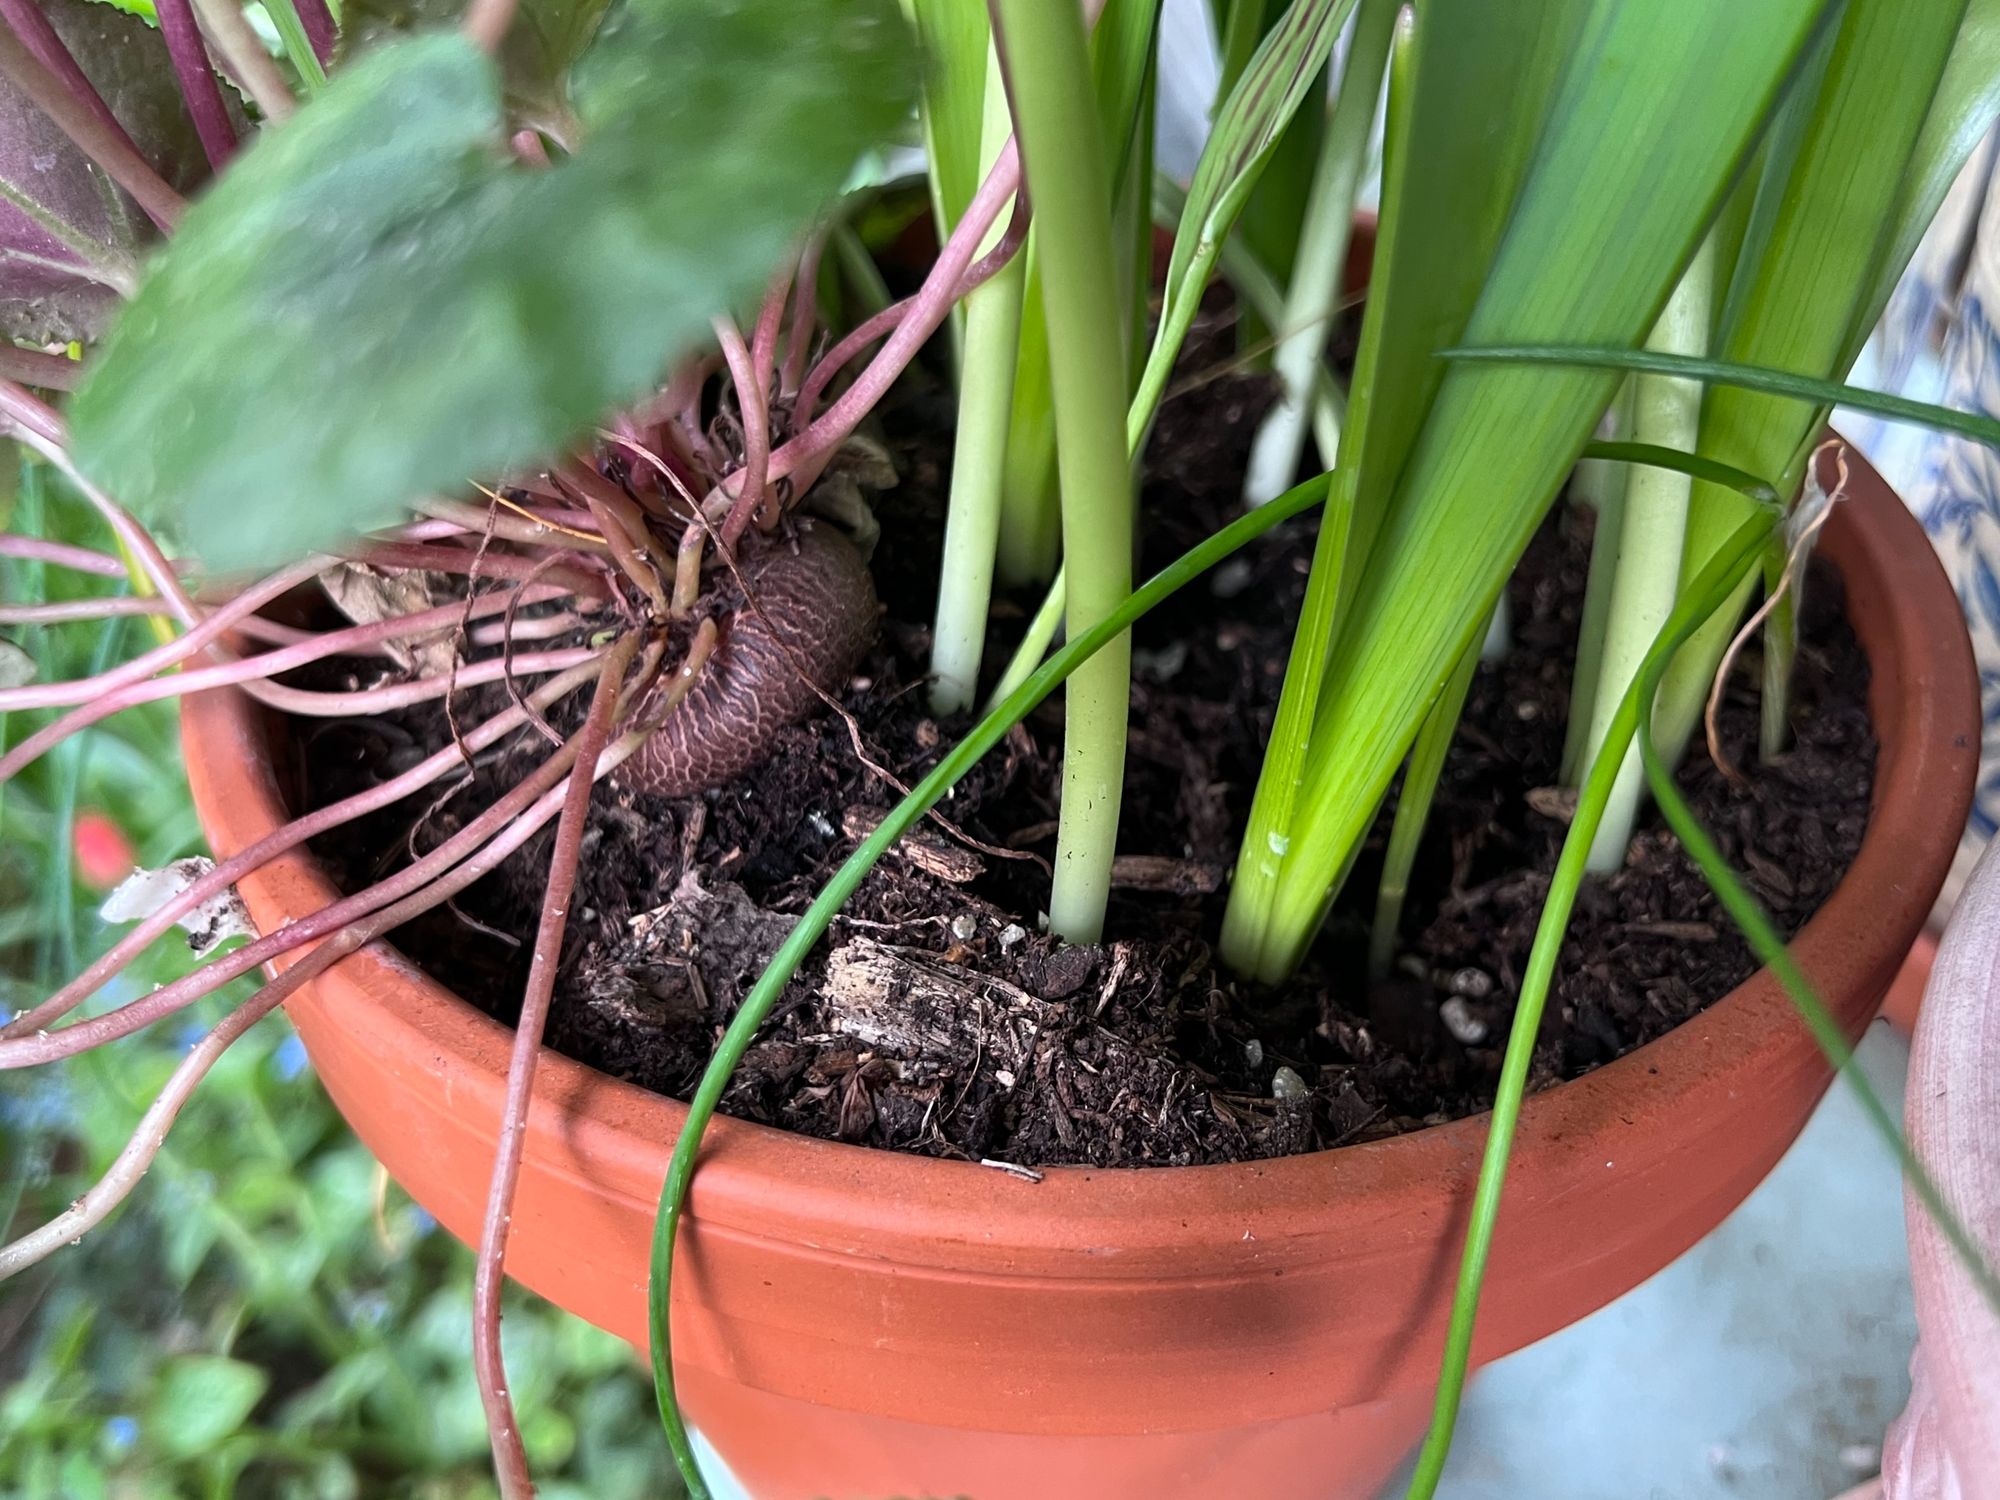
[1461, 1022]
[963, 927]
[1286, 1084]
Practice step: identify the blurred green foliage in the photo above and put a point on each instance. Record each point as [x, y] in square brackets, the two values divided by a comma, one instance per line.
[267, 1317]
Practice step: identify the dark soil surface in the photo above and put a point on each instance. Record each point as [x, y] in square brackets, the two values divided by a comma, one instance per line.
[937, 1019]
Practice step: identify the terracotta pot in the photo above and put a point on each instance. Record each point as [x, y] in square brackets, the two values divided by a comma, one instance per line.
[860, 1323]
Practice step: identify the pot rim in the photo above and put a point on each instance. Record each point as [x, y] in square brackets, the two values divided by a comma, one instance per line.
[762, 1184]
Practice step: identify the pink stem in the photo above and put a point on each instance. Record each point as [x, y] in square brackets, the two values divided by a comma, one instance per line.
[892, 316]
[510, 1458]
[87, 1212]
[61, 555]
[208, 631]
[291, 836]
[34, 57]
[750, 479]
[805, 313]
[34, 1049]
[926, 311]
[36, 419]
[1948, 1442]
[836, 359]
[682, 394]
[542, 628]
[52, 372]
[623, 527]
[764, 338]
[196, 76]
[318, 22]
[43, 430]
[492, 565]
[486, 23]
[496, 520]
[79, 609]
[117, 1183]
[249, 676]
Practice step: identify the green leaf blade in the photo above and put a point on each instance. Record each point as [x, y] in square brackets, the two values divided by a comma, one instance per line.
[1648, 129]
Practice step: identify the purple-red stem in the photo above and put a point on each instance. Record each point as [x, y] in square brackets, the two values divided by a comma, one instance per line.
[764, 338]
[65, 611]
[293, 834]
[52, 372]
[33, 416]
[35, 59]
[196, 76]
[486, 22]
[87, 1212]
[510, 1457]
[318, 22]
[169, 654]
[622, 525]
[493, 565]
[926, 310]
[42, 429]
[751, 478]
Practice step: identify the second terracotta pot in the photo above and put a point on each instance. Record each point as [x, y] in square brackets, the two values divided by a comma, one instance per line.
[855, 1323]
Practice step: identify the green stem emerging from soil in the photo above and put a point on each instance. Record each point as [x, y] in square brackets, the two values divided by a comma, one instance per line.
[1705, 593]
[1319, 273]
[1413, 809]
[1666, 411]
[1599, 484]
[750, 1015]
[985, 401]
[1047, 59]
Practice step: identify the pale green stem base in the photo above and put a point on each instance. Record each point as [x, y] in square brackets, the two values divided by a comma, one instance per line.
[1319, 273]
[985, 403]
[1666, 413]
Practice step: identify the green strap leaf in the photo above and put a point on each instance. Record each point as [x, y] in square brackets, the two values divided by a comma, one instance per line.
[1247, 129]
[1693, 464]
[1653, 119]
[1824, 393]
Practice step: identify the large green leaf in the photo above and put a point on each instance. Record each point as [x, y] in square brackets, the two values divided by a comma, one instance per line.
[1650, 124]
[376, 302]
